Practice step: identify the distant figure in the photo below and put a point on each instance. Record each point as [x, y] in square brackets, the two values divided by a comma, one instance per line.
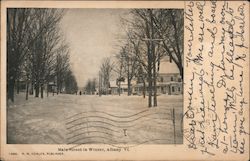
[80, 92]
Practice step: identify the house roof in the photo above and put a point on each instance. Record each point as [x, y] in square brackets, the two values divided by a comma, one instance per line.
[123, 85]
[113, 84]
[167, 67]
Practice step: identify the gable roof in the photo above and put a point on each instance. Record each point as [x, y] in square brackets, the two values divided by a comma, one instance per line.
[167, 67]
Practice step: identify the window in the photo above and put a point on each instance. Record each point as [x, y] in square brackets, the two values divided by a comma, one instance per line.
[179, 89]
[173, 89]
[172, 78]
[162, 79]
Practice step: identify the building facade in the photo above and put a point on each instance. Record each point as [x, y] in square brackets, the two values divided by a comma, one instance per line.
[169, 81]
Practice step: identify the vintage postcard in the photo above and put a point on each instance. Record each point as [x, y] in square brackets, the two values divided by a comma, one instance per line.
[125, 80]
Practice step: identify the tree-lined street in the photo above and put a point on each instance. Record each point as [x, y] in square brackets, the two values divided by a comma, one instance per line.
[82, 76]
[37, 53]
[40, 121]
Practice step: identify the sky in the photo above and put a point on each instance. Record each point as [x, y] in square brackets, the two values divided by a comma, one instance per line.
[92, 34]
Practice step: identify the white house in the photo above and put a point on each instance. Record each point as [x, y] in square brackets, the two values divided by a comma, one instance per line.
[169, 81]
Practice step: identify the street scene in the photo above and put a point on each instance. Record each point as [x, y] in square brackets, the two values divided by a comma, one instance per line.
[47, 121]
[94, 76]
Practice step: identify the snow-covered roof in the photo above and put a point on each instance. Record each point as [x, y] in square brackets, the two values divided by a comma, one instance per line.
[113, 84]
[122, 85]
[167, 67]
[51, 83]
[168, 83]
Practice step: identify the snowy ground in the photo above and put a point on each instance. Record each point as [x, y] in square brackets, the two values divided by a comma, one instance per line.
[85, 119]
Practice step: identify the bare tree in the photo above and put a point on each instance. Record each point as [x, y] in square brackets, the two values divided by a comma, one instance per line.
[26, 32]
[129, 63]
[169, 26]
[138, 29]
[18, 22]
[141, 34]
[119, 69]
[90, 86]
[153, 34]
[105, 72]
[62, 66]
[70, 83]
[43, 48]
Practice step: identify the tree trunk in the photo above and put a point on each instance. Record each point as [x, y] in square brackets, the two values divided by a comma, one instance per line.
[100, 84]
[27, 90]
[32, 88]
[155, 90]
[57, 90]
[150, 93]
[129, 87]
[11, 86]
[18, 86]
[154, 77]
[128, 79]
[181, 72]
[144, 89]
[57, 85]
[119, 86]
[41, 90]
[37, 90]
[47, 90]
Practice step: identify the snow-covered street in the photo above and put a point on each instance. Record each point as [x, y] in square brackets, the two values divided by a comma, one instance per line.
[85, 119]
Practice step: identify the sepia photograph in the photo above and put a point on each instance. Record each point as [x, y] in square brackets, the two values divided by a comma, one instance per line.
[94, 76]
[124, 80]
